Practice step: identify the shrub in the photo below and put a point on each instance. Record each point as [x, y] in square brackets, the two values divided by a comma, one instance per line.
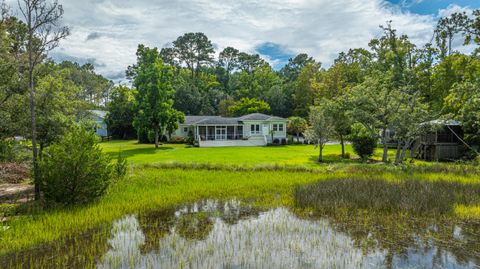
[75, 170]
[177, 140]
[363, 142]
[121, 165]
[276, 141]
[284, 141]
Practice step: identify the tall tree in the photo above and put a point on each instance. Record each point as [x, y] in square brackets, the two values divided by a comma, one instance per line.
[195, 50]
[43, 34]
[248, 105]
[228, 61]
[295, 65]
[305, 92]
[153, 81]
[121, 112]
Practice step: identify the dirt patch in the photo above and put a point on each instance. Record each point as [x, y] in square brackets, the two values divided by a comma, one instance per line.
[14, 173]
[15, 192]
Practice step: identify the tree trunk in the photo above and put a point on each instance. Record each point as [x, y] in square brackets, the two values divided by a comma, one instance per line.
[398, 154]
[343, 146]
[320, 156]
[33, 117]
[385, 148]
[156, 137]
[298, 137]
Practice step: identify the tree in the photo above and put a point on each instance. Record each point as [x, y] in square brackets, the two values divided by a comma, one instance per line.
[297, 125]
[295, 65]
[121, 112]
[338, 110]
[153, 81]
[304, 95]
[250, 62]
[195, 50]
[228, 61]
[247, 106]
[320, 129]
[446, 30]
[75, 170]
[57, 106]
[173, 118]
[43, 34]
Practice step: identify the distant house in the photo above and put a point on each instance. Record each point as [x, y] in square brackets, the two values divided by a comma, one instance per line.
[250, 130]
[99, 117]
[442, 143]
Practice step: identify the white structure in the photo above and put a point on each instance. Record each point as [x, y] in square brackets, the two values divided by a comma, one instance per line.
[250, 130]
[99, 117]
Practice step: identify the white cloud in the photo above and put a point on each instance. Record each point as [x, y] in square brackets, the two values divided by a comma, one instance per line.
[321, 28]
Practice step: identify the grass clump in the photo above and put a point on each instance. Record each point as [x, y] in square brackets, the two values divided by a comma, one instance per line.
[421, 197]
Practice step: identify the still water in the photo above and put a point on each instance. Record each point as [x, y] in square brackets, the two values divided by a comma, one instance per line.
[213, 234]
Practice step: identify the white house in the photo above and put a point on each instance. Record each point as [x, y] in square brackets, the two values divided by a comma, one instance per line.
[99, 117]
[250, 130]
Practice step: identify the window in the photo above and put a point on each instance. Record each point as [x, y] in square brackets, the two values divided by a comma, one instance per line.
[185, 129]
[277, 127]
[255, 129]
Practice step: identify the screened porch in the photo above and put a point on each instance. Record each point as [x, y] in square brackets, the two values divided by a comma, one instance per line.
[219, 132]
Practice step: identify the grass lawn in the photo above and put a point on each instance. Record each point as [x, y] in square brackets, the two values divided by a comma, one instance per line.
[148, 187]
[293, 155]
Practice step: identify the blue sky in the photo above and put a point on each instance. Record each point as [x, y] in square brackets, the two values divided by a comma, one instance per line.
[425, 7]
[106, 33]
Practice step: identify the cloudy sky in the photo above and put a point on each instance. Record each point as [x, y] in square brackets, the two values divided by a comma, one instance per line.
[107, 32]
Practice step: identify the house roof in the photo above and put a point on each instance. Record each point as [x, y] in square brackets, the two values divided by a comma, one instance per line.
[191, 120]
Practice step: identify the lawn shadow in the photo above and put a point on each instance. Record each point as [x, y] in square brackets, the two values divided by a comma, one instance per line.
[138, 151]
[330, 158]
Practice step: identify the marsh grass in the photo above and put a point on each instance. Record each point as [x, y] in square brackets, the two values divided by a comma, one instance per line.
[416, 196]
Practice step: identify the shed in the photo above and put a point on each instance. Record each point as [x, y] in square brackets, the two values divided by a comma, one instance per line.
[442, 141]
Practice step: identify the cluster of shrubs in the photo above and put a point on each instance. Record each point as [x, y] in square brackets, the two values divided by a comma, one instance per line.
[277, 141]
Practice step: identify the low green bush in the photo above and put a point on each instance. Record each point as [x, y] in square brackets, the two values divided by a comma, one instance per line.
[75, 170]
[363, 143]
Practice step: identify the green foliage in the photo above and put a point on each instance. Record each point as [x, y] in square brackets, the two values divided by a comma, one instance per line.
[248, 105]
[296, 125]
[121, 165]
[363, 143]
[321, 128]
[121, 112]
[75, 170]
[305, 89]
[153, 81]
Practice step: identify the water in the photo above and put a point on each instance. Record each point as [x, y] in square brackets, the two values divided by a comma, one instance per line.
[214, 234]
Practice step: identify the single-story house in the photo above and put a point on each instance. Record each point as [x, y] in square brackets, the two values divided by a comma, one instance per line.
[250, 130]
[99, 117]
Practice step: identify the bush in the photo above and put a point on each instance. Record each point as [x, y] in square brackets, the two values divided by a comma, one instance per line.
[75, 170]
[121, 166]
[284, 141]
[177, 140]
[276, 141]
[363, 142]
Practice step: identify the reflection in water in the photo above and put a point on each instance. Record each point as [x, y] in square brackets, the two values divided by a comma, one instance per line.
[276, 239]
[213, 234]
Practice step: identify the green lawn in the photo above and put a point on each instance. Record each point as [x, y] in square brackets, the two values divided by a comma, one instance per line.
[293, 155]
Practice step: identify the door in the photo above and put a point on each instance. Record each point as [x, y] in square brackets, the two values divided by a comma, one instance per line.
[265, 129]
[221, 133]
